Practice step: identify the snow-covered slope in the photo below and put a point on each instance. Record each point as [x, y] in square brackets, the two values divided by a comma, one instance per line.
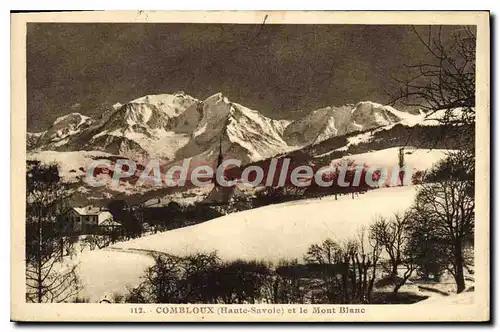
[139, 127]
[63, 129]
[72, 165]
[170, 104]
[171, 126]
[282, 230]
[245, 134]
[318, 126]
[416, 159]
[269, 233]
[105, 272]
[419, 159]
[450, 300]
[328, 122]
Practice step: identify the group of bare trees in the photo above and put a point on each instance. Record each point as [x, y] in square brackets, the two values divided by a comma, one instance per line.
[348, 270]
[202, 278]
[205, 278]
[392, 234]
[433, 237]
[436, 235]
[441, 230]
[378, 254]
[49, 276]
[446, 210]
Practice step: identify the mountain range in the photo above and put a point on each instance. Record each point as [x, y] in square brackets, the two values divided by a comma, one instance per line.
[176, 126]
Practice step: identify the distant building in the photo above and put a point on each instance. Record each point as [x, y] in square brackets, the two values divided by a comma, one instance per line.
[109, 224]
[220, 195]
[88, 219]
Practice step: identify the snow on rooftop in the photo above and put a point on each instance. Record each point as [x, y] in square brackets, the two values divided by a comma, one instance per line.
[89, 210]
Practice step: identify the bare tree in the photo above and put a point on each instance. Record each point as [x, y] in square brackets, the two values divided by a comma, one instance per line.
[366, 261]
[350, 270]
[286, 286]
[391, 234]
[449, 207]
[401, 164]
[96, 241]
[334, 263]
[161, 282]
[445, 81]
[48, 277]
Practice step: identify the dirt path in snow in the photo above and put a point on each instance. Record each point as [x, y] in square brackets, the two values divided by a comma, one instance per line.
[145, 252]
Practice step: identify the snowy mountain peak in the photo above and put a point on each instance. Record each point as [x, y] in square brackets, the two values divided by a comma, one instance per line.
[318, 125]
[260, 136]
[75, 119]
[170, 104]
[247, 134]
[368, 115]
[135, 117]
[217, 103]
[332, 121]
[63, 128]
[217, 97]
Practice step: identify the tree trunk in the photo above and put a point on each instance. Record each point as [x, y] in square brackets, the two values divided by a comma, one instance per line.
[40, 284]
[397, 286]
[39, 262]
[459, 267]
[394, 272]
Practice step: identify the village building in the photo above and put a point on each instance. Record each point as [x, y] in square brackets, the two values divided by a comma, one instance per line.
[109, 225]
[89, 219]
[220, 195]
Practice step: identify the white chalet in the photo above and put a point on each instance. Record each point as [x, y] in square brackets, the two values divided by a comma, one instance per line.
[88, 219]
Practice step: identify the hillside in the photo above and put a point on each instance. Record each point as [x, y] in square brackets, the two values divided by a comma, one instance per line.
[279, 231]
[271, 233]
[333, 121]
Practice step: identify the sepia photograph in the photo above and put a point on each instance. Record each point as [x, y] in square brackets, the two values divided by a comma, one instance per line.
[250, 166]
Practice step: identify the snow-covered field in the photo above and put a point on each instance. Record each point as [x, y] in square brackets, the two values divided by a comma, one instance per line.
[417, 159]
[106, 272]
[463, 298]
[279, 231]
[69, 162]
[270, 233]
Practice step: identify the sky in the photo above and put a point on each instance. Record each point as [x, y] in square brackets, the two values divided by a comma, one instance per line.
[283, 71]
